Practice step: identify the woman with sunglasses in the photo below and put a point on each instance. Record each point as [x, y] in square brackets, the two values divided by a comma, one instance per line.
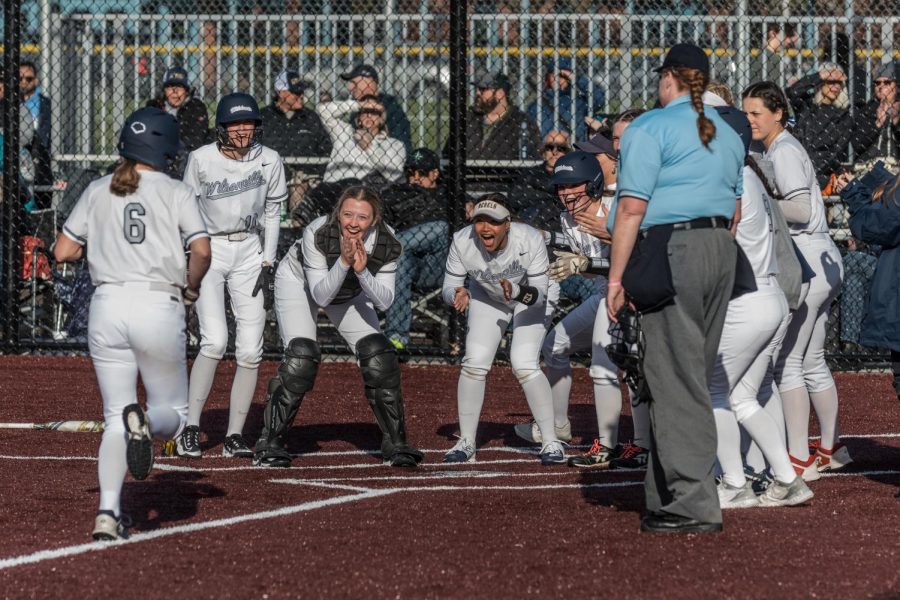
[801, 373]
[877, 123]
[363, 148]
[820, 103]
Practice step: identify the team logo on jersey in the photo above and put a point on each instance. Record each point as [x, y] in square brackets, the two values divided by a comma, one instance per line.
[240, 108]
[223, 188]
[513, 270]
[138, 127]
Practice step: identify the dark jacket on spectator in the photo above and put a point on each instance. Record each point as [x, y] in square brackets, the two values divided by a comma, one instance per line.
[407, 205]
[870, 141]
[301, 135]
[531, 201]
[879, 223]
[396, 120]
[193, 121]
[514, 136]
[823, 129]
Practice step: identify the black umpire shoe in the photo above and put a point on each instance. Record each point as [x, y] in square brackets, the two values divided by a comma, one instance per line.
[668, 523]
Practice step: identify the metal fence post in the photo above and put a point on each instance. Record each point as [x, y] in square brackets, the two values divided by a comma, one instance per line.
[456, 144]
[11, 189]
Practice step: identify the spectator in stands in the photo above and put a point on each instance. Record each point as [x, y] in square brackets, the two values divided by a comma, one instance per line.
[564, 105]
[417, 210]
[820, 103]
[289, 127]
[177, 99]
[26, 138]
[362, 82]
[772, 63]
[40, 109]
[604, 151]
[365, 148]
[530, 198]
[497, 130]
[876, 131]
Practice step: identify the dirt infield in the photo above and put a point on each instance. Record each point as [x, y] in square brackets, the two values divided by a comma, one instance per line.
[340, 524]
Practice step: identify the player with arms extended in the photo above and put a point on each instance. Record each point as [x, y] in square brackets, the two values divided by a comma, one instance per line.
[506, 264]
[137, 221]
[240, 185]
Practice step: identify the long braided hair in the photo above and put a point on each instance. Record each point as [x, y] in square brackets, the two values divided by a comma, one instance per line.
[695, 81]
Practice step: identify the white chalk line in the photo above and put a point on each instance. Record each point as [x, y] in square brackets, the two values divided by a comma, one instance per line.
[458, 488]
[43, 555]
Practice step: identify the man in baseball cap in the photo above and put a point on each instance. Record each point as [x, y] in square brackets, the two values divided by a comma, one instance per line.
[177, 99]
[362, 83]
[289, 127]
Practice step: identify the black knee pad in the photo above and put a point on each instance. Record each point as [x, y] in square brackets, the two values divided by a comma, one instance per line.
[298, 369]
[378, 362]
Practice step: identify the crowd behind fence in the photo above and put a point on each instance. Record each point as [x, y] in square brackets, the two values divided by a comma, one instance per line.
[565, 71]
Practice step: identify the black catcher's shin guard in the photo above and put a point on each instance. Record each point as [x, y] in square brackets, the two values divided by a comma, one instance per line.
[381, 374]
[296, 376]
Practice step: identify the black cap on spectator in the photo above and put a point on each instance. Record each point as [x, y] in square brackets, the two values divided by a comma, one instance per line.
[289, 81]
[423, 159]
[490, 80]
[176, 76]
[886, 71]
[686, 55]
[597, 144]
[362, 70]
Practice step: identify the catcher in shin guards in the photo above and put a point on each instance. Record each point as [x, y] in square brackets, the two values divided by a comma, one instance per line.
[296, 376]
[346, 264]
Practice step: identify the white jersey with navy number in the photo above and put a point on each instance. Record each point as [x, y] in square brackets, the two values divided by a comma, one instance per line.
[524, 258]
[238, 195]
[795, 175]
[139, 237]
[755, 231]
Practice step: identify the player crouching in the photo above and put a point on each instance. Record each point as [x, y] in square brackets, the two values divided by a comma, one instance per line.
[506, 264]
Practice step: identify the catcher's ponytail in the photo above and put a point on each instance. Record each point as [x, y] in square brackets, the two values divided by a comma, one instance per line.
[125, 178]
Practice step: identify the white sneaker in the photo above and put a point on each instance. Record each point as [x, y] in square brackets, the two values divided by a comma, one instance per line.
[552, 454]
[108, 528]
[530, 432]
[786, 494]
[462, 452]
[736, 497]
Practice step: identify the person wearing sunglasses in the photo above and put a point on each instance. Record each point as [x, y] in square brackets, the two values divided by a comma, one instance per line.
[820, 103]
[40, 108]
[363, 148]
[877, 123]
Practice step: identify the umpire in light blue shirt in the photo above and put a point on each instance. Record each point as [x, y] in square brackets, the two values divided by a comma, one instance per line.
[674, 257]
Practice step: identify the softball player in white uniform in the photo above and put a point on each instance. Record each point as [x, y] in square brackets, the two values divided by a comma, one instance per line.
[346, 264]
[240, 186]
[801, 372]
[137, 222]
[506, 264]
[755, 326]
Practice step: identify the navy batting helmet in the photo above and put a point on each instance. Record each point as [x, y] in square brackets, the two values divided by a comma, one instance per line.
[574, 168]
[150, 136]
[232, 109]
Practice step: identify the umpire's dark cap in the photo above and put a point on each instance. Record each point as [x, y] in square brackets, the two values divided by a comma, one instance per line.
[686, 55]
[423, 159]
[597, 144]
[490, 80]
[176, 76]
[361, 70]
[739, 122]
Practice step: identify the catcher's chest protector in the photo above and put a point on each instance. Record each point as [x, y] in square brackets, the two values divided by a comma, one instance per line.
[328, 241]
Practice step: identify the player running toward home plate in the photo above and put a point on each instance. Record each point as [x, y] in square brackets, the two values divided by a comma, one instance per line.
[135, 224]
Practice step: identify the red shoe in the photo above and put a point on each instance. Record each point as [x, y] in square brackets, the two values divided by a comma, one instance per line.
[834, 459]
[807, 469]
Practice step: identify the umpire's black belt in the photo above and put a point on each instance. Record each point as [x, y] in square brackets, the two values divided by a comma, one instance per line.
[702, 223]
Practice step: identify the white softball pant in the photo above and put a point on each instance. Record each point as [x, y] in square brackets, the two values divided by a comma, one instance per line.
[586, 326]
[755, 326]
[237, 265]
[296, 310]
[801, 361]
[139, 328]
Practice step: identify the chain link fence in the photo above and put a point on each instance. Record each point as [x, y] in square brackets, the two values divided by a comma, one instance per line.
[434, 104]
